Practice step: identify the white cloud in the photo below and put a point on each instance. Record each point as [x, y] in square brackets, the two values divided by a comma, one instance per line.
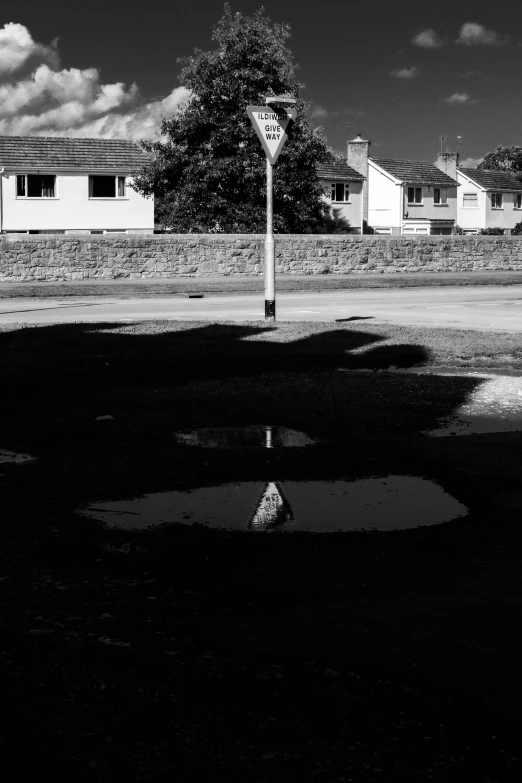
[54, 101]
[405, 73]
[470, 163]
[428, 39]
[459, 99]
[475, 34]
[17, 47]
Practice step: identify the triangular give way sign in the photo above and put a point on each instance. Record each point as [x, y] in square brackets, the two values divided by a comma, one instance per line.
[270, 125]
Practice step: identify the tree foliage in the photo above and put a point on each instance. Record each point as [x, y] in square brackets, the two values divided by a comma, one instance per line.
[504, 159]
[209, 169]
[517, 230]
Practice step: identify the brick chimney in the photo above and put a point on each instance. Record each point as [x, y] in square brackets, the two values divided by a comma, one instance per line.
[357, 157]
[448, 163]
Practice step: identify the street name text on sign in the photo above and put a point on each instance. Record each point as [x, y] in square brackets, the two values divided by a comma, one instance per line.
[270, 125]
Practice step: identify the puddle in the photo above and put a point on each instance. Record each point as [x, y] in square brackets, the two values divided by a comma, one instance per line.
[252, 436]
[13, 457]
[380, 503]
[494, 406]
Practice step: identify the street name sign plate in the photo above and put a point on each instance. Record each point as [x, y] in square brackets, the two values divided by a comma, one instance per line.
[270, 125]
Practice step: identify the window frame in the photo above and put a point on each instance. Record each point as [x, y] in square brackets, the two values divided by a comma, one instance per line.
[26, 197]
[346, 192]
[517, 197]
[495, 197]
[415, 189]
[117, 180]
[474, 197]
[443, 197]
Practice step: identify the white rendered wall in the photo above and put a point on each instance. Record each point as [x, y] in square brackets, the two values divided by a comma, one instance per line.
[73, 209]
[428, 210]
[384, 200]
[470, 218]
[507, 217]
[351, 210]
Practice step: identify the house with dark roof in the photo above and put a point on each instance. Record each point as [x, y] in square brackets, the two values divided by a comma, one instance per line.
[406, 196]
[488, 199]
[58, 185]
[343, 188]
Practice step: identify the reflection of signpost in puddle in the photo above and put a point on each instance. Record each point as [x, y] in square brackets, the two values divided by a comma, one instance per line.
[272, 509]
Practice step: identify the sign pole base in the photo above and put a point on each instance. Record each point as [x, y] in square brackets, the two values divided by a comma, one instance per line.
[270, 314]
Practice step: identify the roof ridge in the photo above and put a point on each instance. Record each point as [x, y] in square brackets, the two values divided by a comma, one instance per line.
[69, 138]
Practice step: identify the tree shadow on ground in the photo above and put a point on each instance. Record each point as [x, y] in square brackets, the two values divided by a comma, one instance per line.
[101, 402]
[125, 354]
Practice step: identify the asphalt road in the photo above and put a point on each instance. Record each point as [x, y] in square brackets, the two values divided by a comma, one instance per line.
[490, 308]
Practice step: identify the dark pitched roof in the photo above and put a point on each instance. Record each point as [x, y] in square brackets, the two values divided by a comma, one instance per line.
[67, 153]
[338, 171]
[493, 180]
[415, 171]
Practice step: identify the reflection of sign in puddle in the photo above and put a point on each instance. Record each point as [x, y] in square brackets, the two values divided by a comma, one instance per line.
[251, 436]
[272, 509]
[12, 456]
[382, 503]
[494, 406]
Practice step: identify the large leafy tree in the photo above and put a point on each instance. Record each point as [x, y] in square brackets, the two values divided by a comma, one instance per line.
[208, 172]
[504, 159]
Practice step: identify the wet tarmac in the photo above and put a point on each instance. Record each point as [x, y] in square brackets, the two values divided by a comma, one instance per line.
[13, 457]
[374, 503]
[252, 436]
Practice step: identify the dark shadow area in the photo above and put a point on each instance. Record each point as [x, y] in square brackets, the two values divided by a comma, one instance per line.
[100, 355]
[192, 654]
[355, 318]
[101, 403]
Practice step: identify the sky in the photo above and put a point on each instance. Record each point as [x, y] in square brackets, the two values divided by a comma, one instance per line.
[400, 74]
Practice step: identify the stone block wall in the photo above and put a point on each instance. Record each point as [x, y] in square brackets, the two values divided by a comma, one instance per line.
[56, 258]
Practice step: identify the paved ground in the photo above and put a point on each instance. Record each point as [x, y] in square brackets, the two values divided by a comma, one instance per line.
[490, 308]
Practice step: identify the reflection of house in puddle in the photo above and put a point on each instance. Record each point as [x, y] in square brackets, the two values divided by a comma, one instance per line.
[272, 509]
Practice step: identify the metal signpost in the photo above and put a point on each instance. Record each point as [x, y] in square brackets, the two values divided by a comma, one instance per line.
[270, 125]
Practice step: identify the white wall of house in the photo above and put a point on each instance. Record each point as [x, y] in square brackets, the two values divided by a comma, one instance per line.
[473, 215]
[484, 215]
[72, 209]
[428, 209]
[384, 200]
[507, 216]
[352, 209]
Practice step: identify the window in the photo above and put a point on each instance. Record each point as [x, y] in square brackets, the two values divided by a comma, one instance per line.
[102, 186]
[440, 195]
[35, 186]
[470, 201]
[496, 200]
[518, 201]
[414, 195]
[340, 191]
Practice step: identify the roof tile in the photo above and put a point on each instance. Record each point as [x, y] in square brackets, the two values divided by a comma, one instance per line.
[71, 153]
[494, 180]
[415, 171]
[338, 171]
